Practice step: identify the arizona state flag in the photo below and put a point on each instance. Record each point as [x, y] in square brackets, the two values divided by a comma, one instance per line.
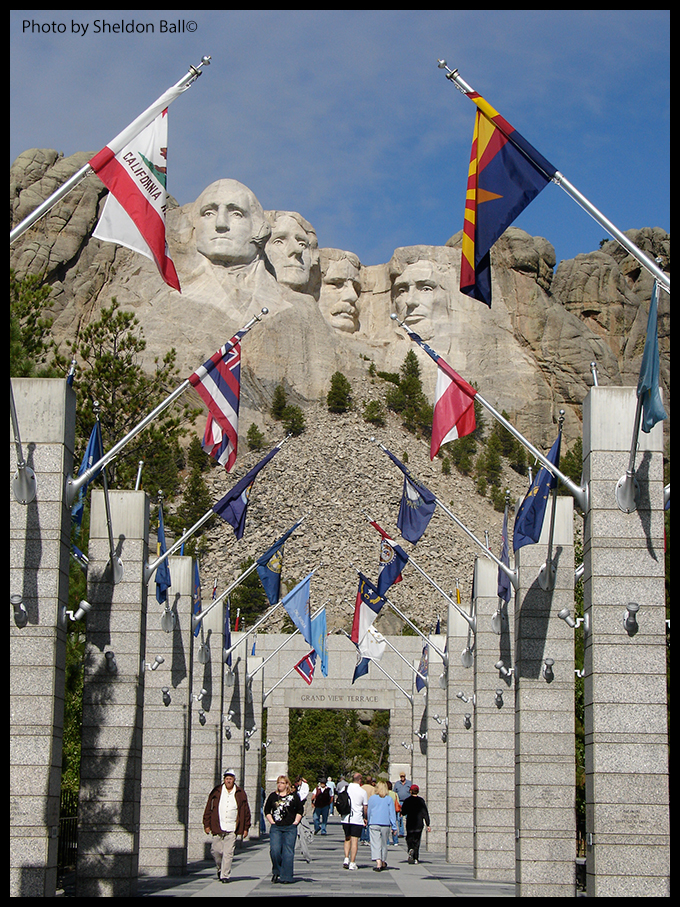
[506, 174]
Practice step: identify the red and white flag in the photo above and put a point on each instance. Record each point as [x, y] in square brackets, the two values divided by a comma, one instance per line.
[218, 382]
[134, 211]
[454, 407]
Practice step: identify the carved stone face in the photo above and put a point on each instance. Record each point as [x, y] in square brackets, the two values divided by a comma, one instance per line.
[289, 249]
[228, 223]
[418, 299]
[340, 291]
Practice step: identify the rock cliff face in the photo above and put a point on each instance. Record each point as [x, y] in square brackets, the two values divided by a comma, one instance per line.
[530, 354]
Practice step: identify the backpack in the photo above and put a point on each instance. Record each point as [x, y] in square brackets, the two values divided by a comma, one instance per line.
[343, 803]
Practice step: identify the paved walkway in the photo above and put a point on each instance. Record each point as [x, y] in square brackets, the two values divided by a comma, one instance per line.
[324, 876]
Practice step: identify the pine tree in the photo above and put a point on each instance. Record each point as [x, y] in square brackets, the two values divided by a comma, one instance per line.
[339, 398]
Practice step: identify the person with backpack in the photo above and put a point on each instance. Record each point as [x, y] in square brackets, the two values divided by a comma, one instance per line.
[354, 821]
[321, 800]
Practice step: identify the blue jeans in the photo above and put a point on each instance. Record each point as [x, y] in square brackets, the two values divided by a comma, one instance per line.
[321, 818]
[282, 840]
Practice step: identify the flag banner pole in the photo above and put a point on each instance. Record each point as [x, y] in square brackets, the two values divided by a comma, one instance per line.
[471, 621]
[411, 625]
[197, 618]
[115, 562]
[380, 667]
[74, 485]
[283, 644]
[24, 484]
[579, 494]
[119, 142]
[512, 574]
[546, 575]
[262, 620]
[560, 180]
[627, 488]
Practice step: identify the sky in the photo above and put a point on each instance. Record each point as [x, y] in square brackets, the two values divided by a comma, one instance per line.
[345, 116]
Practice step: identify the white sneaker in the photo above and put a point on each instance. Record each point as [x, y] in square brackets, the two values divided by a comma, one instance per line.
[353, 866]
[345, 863]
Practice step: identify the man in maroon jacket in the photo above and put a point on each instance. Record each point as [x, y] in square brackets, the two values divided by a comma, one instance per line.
[226, 816]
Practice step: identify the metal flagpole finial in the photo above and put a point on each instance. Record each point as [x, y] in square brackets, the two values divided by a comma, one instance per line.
[196, 70]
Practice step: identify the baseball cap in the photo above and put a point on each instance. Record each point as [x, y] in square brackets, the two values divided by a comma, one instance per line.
[229, 771]
[414, 787]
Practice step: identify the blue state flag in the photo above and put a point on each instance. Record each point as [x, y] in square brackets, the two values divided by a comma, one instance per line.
[234, 505]
[296, 604]
[269, 567]
[196, 596]
[529, 520]
[163, 581]
[417, 505]
[319, 634]
[648, 382]
[93, 454]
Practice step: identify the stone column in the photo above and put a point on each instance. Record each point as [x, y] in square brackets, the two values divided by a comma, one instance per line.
[253, 748]
[436, 791]
[460, 744]
[627, 788]
[39, 568]
[113, 700]
[166, 758]
[206, 710]
[494, 759]
[544, 715]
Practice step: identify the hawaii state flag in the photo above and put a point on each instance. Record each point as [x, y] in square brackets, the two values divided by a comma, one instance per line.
[506, 174]
[134, 211]
[218, 383]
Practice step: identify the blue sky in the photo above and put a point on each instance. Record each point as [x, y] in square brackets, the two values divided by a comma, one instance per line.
[344, 116]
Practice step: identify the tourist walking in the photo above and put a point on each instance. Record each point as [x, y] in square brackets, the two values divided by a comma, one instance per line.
[381, 818]
[416, 816]
[226, 816]
[402, 790]
[283, 811]
[321, 800]
[354, 822]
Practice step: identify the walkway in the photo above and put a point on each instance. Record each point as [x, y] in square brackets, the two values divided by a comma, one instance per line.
[324, 876]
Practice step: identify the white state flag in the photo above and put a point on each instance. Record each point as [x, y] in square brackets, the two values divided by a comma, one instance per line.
[372, 645]
[134, 211]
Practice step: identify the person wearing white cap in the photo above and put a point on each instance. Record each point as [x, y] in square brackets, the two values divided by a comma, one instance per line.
[226, 816]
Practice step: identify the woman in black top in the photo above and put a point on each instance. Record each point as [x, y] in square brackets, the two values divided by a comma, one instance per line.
[283, 811]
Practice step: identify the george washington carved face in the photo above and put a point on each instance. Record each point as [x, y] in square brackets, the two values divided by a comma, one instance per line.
[229, 224]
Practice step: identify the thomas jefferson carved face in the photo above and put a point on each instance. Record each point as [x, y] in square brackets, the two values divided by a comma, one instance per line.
[340, 291]
[418, 298]
[291, 249]
[229, 224]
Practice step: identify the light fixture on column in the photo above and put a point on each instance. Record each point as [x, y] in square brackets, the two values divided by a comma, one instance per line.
[506, 672]
[499, 699]
[198, 697]
[461, 695]
[407, 746]
[203, 653]
[265, 744]
[166, 695]
[445, 726]
[157, 662]
[111, 663]
[20, 612]
[202, 717]
[421, 736]
[168, 619]
[82, 609]
[548, 672]
[467, 722]
[565, 615]
[630, 618]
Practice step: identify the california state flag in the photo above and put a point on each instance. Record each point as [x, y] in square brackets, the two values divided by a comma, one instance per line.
[134, 211]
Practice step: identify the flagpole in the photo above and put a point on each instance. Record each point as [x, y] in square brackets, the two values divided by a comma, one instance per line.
[579, 494]
[259, 623]
[546, 575]
[116, 562]
[24, 484]
[512, 574]
[285, 643]
[410, 623]
[115, 145]
[74, 485]
[560, 180]
[462, 613]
